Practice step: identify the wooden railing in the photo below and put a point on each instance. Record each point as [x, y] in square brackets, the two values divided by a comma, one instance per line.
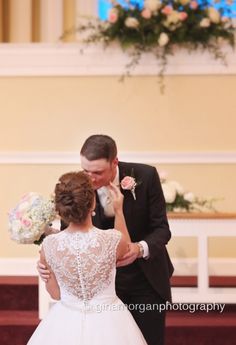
[201, 215]
[203, 226]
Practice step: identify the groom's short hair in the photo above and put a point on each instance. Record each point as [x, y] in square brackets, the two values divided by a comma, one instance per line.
[99, 146]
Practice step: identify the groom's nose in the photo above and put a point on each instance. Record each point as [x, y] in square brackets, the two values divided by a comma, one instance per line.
[91, 175]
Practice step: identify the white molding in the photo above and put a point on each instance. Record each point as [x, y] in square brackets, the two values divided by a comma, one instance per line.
[18, 266]
[183, 266]
[66, 59]
[148, 157]
[217, 266]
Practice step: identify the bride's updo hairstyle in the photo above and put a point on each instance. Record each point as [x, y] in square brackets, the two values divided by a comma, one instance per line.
[74, 197]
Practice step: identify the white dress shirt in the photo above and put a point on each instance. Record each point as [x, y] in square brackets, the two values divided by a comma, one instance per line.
[105, 197]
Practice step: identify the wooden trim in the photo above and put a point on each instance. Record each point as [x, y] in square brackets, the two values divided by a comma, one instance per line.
[203, 215]
[18, 280]
[214, 281]
[19, 318]
[176, 281]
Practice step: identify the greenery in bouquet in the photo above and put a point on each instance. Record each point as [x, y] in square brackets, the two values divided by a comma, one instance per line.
[157, 26]
[179, 200]
[28, 219]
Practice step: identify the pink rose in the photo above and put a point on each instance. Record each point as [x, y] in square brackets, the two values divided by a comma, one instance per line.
[183, 16]
[128, 183]
[18, 215]
[113, 15]
[167, 10]
[26, 222]
[193, 5]
[146, 13]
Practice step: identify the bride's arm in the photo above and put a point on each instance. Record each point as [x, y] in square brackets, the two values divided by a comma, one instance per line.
[51, 284]
[120, 223]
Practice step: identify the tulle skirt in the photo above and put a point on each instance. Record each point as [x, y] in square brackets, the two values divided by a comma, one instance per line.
[110, 324]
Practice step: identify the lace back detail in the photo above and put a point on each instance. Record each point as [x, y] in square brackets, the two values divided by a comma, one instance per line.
[83, 263]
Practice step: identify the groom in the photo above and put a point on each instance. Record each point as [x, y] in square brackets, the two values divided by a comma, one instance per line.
[142, 280]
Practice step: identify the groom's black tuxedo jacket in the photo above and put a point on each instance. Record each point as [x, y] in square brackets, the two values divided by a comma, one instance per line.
[146, 220]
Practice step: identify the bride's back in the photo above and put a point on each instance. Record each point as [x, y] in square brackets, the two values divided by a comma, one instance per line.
[83, 262]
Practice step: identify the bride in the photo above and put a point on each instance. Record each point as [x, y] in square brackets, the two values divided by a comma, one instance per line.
[82, 260]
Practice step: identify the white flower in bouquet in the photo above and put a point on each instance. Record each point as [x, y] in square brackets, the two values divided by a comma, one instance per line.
[28, 219]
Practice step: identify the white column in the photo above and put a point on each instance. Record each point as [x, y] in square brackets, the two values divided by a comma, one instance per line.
[87, 8]
[203, 275]
[51, 22]
[20, 21]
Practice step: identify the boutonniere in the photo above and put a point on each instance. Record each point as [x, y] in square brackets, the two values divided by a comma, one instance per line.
[129, 183]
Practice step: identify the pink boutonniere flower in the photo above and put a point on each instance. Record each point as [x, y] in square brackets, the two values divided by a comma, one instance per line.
[129, 183]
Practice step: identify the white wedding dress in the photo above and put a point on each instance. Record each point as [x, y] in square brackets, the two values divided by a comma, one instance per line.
[89, 312]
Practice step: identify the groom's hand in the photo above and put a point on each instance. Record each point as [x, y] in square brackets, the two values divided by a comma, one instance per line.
[43, 271]
[130, 256]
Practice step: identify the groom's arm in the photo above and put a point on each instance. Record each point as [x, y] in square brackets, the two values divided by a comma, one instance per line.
[158, 227]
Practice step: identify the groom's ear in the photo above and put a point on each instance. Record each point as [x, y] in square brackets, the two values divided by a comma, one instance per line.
[115, 162]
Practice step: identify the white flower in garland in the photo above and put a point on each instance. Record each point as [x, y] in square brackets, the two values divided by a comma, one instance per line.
[189, 196]
[205, 23]
[184, 2]
[214, 15]
[131, 22]
[178, 200]
[169, 192]
[152, 5]
[163, 39]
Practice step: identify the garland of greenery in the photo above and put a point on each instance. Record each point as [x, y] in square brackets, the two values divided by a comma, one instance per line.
[159, 26]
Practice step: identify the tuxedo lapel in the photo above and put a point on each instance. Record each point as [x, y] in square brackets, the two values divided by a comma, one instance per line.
[128, 197]
[99, 213]
[100, 220]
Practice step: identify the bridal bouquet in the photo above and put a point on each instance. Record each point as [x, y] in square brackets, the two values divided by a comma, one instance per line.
[27, 220]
